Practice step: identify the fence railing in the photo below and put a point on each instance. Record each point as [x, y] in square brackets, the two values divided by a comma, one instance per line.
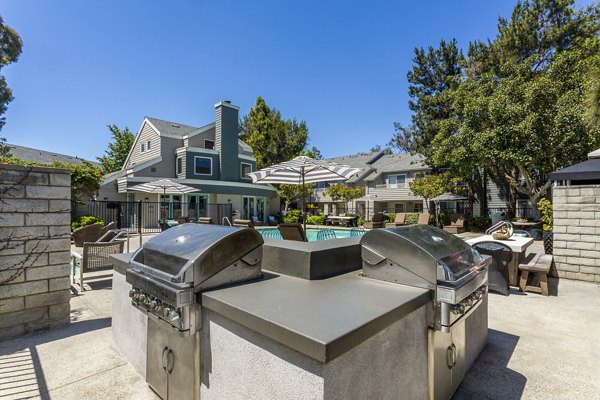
[520, 212]
[145, 216]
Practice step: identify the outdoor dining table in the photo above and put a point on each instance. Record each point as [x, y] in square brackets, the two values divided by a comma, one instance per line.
[517, 244]
[338, 219]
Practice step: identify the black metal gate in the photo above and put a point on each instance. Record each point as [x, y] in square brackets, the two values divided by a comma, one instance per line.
[146, 216]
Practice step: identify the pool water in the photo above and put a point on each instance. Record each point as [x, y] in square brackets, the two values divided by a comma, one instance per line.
[311, 234]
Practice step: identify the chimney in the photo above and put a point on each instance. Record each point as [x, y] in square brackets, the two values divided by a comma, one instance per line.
[226, 140]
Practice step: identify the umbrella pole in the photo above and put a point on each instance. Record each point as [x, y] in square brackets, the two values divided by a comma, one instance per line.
[303, 203]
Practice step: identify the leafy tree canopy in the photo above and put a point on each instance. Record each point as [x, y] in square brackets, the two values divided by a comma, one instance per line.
[292, 193]
[273, 139]
[431, 186]
[341, 191]
[10, 50]
[118, 150]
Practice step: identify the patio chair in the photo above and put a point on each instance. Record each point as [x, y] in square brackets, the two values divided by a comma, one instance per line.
[399, 221]
[256, 221]
[292, 232]
[95, 258]
[205, 220]
[376, 222]
[182, 220]
[272, 220]
[357, 232]
[112, 236]
[243, 223]
[326, 234]
[423, 219]
[108, 227]
[498, 270]
[457, 224]
[89, 233]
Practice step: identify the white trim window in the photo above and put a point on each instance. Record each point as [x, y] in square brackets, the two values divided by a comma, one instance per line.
[209, 144]
[143, 148]
[179, 165]
[245, 169]
[202, 165]
[148, 145]
[396, 181]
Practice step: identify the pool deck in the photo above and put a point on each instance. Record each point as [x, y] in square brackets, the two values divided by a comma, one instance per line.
[538, 347]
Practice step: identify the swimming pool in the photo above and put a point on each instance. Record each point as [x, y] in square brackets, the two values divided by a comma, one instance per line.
[311, 234]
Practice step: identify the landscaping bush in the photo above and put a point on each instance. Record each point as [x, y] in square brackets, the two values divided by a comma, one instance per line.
[85, 220]
[411, 218]
[293, 216]
[545, 207]
[316, 219]
[361, 221]
[391, 217]
[479, 224]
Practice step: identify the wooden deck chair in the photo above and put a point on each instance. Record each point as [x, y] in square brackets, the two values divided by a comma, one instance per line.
[292, 232]
[423, 219]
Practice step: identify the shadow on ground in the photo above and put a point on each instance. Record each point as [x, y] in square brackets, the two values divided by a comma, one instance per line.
[490, 377]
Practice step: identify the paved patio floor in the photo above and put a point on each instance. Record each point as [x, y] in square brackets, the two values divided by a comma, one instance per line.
[538, 347]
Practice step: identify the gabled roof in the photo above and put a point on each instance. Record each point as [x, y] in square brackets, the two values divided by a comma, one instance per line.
[169, 128]
[363, 161]
[45, 157]
[400, 162]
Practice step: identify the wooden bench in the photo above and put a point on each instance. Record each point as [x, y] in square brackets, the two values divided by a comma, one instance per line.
[539, 266]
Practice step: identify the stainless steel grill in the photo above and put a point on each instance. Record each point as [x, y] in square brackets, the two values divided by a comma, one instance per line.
[167, 273]
[427, 257]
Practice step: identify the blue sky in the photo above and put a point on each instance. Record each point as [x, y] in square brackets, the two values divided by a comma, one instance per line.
[340, 66]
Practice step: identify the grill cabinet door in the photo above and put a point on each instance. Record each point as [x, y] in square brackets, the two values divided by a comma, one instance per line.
[440, 364]
[183, 382]
[157, 352]
[459, 342]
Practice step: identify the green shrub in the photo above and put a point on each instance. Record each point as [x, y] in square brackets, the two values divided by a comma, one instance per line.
[85, 220]
[545, 207]
[391, 217]
[411, 218]
[292, 217]
[316, 219]
[361, 221]
[479, 224]
[444, 217]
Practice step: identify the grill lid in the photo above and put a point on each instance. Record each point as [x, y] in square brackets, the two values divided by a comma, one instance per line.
[193, 253]
[427, 253]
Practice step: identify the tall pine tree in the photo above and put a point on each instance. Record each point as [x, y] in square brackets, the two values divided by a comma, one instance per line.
[118, 150]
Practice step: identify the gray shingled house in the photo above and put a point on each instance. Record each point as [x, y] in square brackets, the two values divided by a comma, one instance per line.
[210, 158]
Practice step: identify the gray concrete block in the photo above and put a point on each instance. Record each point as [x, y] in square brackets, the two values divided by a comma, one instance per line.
[590, 191]
[568, 237]
[59, 206]
[23, 233]
[591, 238]
[580, 261]
[581, 230]
[46, 299]
[23, 177]
[58, 311]
[59, 283]
[11, 305]
[23, 205]
[573, 192]
[48, 192]
[580, 277]
[12, 191]
[12, 219]
[23, 317]
[589, 270]
[60, 180]
[567, 207]
[23, 289]
[12, 247]
[12, 276]
[48, 245]
[51, 271]
[580, 214]
[581, 245]
[559, 229]
[23, 261]
[566, 252]
[588, 222]
[567, 267]
[59, 257]
[595, 254]
[560, 215]
[44, 219]
[60, 231]
[561, 274]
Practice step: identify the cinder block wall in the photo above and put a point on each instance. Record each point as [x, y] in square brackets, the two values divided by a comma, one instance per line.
[34, 248]
[577, 232]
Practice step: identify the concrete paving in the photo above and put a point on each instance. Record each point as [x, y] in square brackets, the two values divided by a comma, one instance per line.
[538, 347]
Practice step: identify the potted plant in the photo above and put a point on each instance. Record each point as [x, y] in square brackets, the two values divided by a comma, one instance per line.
[545, 207]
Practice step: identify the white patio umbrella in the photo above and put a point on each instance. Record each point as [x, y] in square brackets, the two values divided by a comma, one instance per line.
[302, 170]
[163, 186]
[445, 197]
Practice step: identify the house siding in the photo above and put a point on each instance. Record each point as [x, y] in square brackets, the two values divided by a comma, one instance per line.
[226, 142]
[190, 170]
[198, 139]
[147, 133]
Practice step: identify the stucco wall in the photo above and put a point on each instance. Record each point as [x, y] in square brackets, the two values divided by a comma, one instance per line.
[577, 232]
[35, 231]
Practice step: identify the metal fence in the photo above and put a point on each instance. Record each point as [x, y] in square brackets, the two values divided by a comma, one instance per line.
[520, 212]
[146, 216]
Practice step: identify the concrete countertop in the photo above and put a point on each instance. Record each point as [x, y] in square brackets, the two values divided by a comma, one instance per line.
[319, 318]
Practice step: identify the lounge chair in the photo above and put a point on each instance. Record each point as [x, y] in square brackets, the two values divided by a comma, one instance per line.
[205, 220]
[246, 223]
[95, 257]
[182, 220]
[89, 233]
[457, 224]
[256, 221]
[399, 221]
[376, 222]
[108, 227]
[423, 219]
[272, 220]
[292, 232]
[112, 236]
[326, 234]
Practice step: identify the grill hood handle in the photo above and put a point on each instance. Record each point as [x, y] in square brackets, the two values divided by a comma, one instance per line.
[371, 257]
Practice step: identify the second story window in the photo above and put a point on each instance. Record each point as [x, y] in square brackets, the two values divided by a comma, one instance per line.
[148, 145]
[396, 181]
[143, 148]
[209, 144]
[245, 170]
[202, 165]
[179, 165]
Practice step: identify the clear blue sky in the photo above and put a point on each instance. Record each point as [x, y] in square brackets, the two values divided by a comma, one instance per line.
[340, 66]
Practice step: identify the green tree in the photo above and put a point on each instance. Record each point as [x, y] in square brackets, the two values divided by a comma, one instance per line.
[118, 150]
[343, 192]
[292, 193]
[10, 50]
[431, 186]
[272, 138]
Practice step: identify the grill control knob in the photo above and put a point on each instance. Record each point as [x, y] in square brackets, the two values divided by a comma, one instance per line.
[152, 304]
[174, 316]
[166, 312]
[131, 293]
[458, 309]
[469, 301]
[142, 298]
